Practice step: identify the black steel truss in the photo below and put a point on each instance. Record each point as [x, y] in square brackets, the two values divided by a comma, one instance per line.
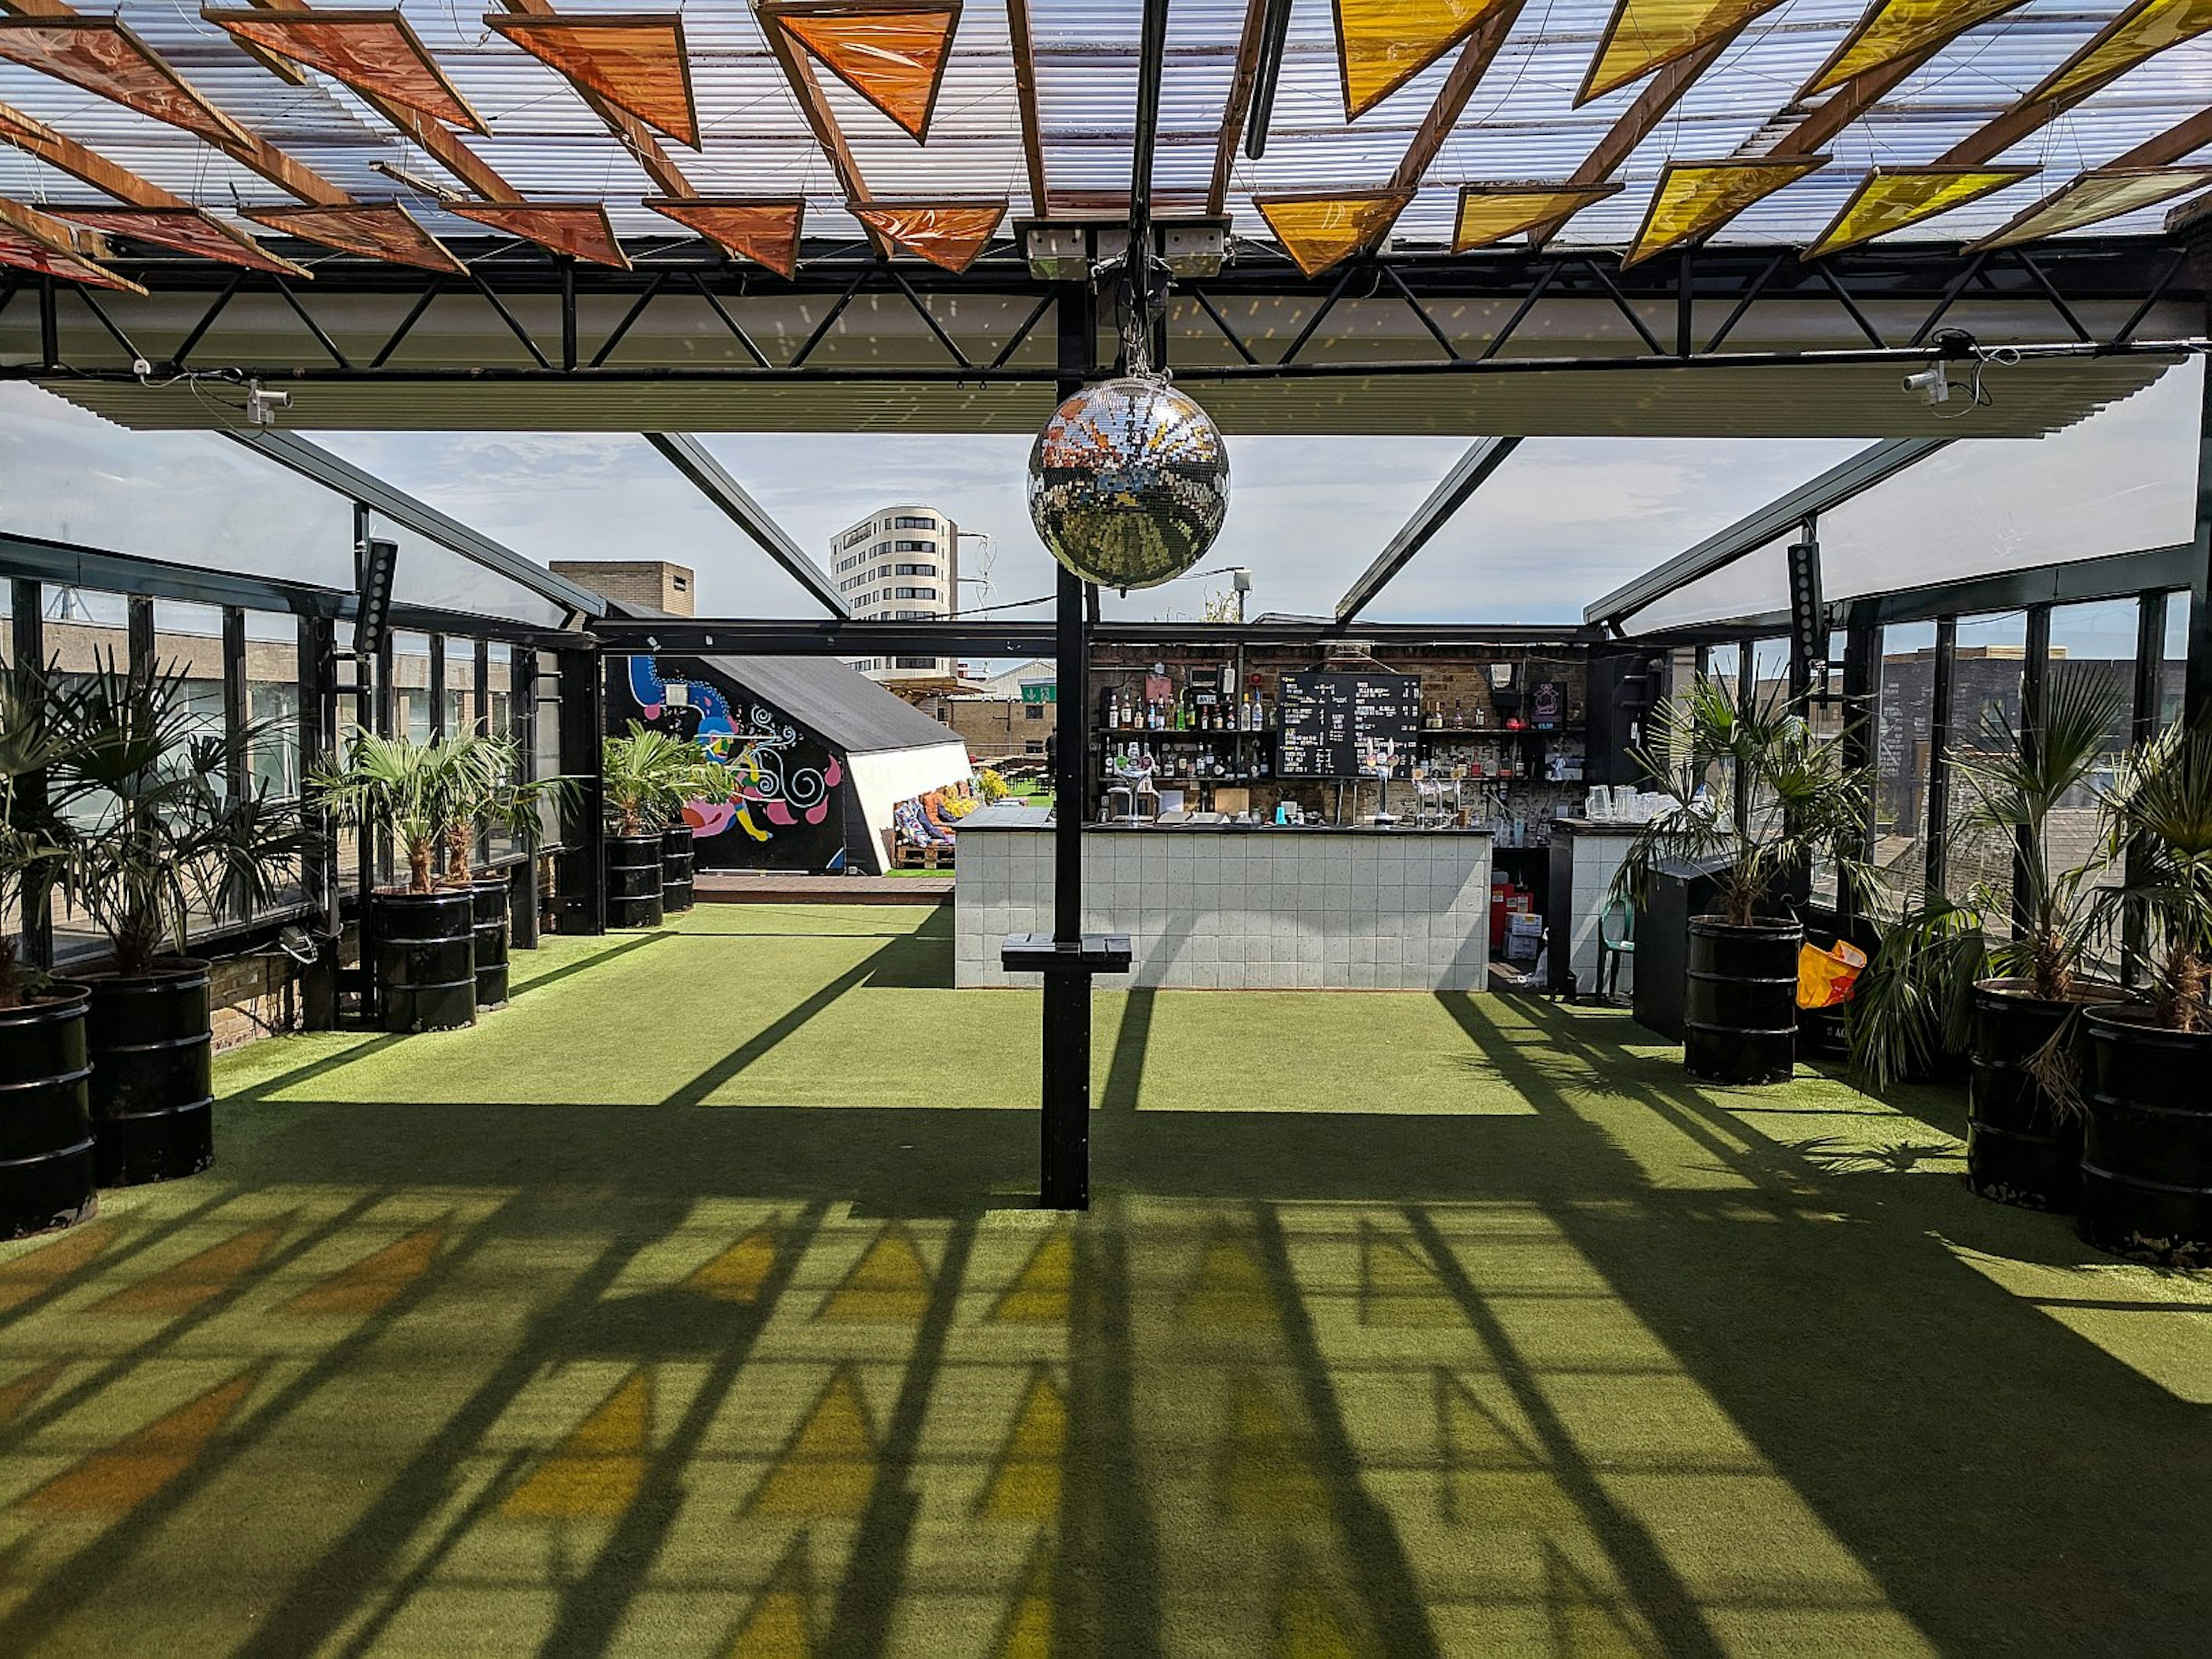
[813, 637]
[2052, 282]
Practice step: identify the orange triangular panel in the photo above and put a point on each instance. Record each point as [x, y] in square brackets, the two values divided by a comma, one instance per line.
[1646, 33]
[1320, 231]
[765, 232]
[182, 1288]
[2105, 194]
[893, 56]
[20, 1394]
[187, 230]
[579, 230]
[637, 62]
[117, 1480]
[2143, 30]
[1893, 29]
[949, 234]
[1383, 44]
[1892, 199]
[1695, 199]
[372, 51]
[102, 56]
[1491, 213]
[376, 230]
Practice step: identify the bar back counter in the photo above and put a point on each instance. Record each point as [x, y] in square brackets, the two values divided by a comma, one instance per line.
[1215, 905]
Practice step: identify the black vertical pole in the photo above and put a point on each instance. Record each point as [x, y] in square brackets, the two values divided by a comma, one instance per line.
[522, 711]
[236, 716]
[317, 680]
[140, 634]
[1939, 755]
[438, 687]
[1747, 691]
[583, 880]
[2035, 662]
[1065, 1178]
[2142, 726]
[1862, 707]
[28, 628]
[2196, 684]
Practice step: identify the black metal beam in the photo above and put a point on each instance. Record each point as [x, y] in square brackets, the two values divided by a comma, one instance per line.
[312, 461]
[690, 457]
[2197, 682]
[28, 639]
[582, 871]
[2034, 673]
[1937, 852]
[1778, 518]
[1469, 474]
[806, 637]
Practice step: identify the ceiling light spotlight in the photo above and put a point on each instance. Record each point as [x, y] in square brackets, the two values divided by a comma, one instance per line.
[261, 404]
[1932, 383]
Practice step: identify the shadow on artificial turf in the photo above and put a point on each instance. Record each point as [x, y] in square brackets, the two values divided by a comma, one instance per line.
[2004, 1483]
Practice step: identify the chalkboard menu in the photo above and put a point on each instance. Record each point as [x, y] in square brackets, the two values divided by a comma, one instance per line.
[1331, 722]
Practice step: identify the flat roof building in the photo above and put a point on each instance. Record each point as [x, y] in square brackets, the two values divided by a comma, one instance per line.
[900, 563]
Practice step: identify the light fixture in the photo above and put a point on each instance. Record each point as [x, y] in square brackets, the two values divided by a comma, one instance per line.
[377, 562]
[1069, 251]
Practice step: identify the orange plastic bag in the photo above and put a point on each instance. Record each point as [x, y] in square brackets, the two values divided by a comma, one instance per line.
[1825, 978]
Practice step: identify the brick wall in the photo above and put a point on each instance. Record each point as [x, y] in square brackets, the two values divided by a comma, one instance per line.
[656, 582]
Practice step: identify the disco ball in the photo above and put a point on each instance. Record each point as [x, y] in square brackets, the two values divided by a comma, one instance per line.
[1128, 483]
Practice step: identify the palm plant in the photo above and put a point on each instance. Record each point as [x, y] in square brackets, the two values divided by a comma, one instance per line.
[411, 786]
[1808, 803]
[1914, 1001]
[32, 839]
[647, 776]
[484, 794]
[153, 836]
[2158, 816]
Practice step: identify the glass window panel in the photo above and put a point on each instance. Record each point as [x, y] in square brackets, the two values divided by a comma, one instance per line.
[460, 712]
[2174, 671]
[411, 685]
[1985, 676]
[1903, 743]
[2097, 641]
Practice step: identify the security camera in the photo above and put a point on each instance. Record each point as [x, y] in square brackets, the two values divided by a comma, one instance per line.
[1932, 383]
[262, 405]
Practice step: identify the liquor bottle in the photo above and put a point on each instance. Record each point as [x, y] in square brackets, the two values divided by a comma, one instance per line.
[1114, 711]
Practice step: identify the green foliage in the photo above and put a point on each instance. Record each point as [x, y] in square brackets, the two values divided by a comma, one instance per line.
[989, 785]
[486, 794]
[1914, 1002]
[2158, 816]
[1808, 804]
[647, 775]
[415, 788]
[141, 779]
[32, 839]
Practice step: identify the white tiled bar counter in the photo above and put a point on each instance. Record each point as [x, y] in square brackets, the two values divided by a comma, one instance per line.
[1238, 907]
[1586, 853]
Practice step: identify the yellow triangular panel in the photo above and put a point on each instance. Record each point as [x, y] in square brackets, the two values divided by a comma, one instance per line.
[1491, 213]
[1646, 33]
[889, 1281]
[1891, 200]
[829, 1467]
[1039, 1294]
[35, 1274]
[1229, 1288]
[1898, 28]
[596, 1471]
[1024, 1483]
[198, 1279]
[1026, 1633]
[1695, 199]
[117, 1480]
[1398, 1287]
[1320, 231]
[2095, 197]
[2143, 30]
[1383, 44]
[1267, 1473]
[779, 1624]
[895, 58]
[737, 1274]
[1491, 1478]
[375, 1279]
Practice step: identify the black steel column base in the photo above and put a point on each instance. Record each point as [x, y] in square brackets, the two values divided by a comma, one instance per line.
[1066, 1144]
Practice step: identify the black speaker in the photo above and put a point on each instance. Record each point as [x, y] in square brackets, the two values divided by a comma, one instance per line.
[1624, 686]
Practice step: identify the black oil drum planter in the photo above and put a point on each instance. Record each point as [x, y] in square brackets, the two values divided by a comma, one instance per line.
[46, 1177]
[489, 897]
[676, 847]
[2147, 1160]
[426, 975]
[2022, 1147]
[1739, 1007]
[634, 881]
[153, 1087]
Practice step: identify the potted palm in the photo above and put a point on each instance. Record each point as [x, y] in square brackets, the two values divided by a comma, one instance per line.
[423, 949]
[156, 841]
[2022, 995]
[711, 779]
[485, 794]
[644, 776]
[2147, 1162]
[1808, 805]
[46, 1174]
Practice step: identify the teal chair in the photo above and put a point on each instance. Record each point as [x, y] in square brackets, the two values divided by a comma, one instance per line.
[1616, 938]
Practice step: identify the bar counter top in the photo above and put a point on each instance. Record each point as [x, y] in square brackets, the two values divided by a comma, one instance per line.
[1006, 816]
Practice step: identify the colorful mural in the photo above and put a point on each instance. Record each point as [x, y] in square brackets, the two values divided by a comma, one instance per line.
[785, 812]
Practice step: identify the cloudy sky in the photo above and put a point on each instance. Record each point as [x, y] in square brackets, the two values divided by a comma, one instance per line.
[1562, 522]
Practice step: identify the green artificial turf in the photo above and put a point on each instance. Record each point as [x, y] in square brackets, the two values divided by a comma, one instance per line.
[692, 1304]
